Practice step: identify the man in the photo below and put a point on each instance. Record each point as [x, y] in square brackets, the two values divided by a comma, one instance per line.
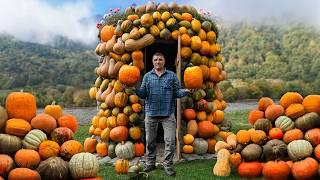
[160, 87]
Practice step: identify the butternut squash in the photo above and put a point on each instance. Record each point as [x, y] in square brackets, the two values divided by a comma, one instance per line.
[132, 45]
[232, 141]
[222, 166]
[221, 145]
[119, 47]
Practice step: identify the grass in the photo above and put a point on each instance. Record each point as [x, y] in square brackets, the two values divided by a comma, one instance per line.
[198, 169]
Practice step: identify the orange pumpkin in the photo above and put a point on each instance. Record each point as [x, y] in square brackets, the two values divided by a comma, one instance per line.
[275, 133]
[295, 110]
[313, 136]
[305, 169]
[139, 149]
[207, 129]
[211, 37]
[129, 75]
[264, 102]
[205, 71]
[195, 43]
[235, 159]
[89, 145]
[186, 17]
[44, 122]
[254, 115]
[21, 105]
[136, 107]
[135, 133]
[6, 164]
[69, 121]
[133, 99]
[276, 170]
[17, 127]
[24, 174]
[273, 111]
[317, 152]
[70, 148]
[290, 98]
[48, 149]
[106, 33]
[243, 137]
[27, 158]
[214, 74]
[53, 110]
[205, 48]
[193, 77]
[250, 169]
[311, 103]
[188, 139]
[187, 149]
[185, 40]
[119, 133]
[192, 127]
[291, 135]
[122, 119]
[102, 149]
[121, 99]
[121, 166]
[185, 52]
[218, 116]
[201, 116]
[189, 114]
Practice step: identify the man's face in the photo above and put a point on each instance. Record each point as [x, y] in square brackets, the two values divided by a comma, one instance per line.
[158, 62]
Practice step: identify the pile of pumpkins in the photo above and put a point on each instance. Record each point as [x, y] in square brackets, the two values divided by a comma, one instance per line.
[40, 146]
[122, 59]
[283, 143]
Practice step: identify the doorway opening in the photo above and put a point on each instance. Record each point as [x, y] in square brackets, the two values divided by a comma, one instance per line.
[169, 49]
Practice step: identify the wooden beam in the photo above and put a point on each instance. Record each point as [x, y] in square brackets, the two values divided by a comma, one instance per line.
[178, 128]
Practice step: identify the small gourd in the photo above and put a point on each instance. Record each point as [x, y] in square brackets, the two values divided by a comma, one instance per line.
[222, 166]
[111, 43]
[119, 47]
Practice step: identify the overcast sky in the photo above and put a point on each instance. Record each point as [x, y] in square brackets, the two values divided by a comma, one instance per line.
[40, 20]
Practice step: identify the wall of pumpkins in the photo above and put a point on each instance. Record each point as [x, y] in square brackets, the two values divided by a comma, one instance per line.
[122, 63]
[283, 143]
[40, 146]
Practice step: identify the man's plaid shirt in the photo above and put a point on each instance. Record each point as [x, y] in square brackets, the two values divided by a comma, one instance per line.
[160, 93]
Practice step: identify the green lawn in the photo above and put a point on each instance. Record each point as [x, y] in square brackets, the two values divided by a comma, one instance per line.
[199, 169]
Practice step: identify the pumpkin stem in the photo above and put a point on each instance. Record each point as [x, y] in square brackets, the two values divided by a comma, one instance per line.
[53, 102]
[21, 90]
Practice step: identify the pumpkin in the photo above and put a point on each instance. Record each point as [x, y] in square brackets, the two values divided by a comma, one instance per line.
[102, 149]
[106, 33]
[192, 127]
[203, 36]
[121, 166]
[139, 149]
[188, 139]
[317, 152]
[129, 75]
[275, 133]
[211, 145]
[291, 135]
[207, 129]
[254, 115]
[146, 20]
[112, 150]
[195, 43]
[6, 164]
[3, 118]
[307, 121]
[119, 133]
[311, 103]
[205, 48]
[70, 148]
[21, 105]
[305, 169]
[61, 135]
[90, 145]
[251, 152]
[250, 169]
[185, 40]
[44, 122]
[189, 114]
[276, 170]
[235, 159]
[218, 116]
[53, 110]
[187, 149]
[125, 150]
[274, 111]
[122, 119]
[264, 102]
[105, 134]
[48, 149]
[313, 136]
[295, 110]
[284, 123]
[185, 52]
[263, 124]
[201, 116]
[193, 77]
[54, 168]
[274, 149]
[202, 105]
[9, 144]
[121, 99]
[299, 149]
[27, 158]
[17, 127]
[23, 174]
[186, 16]
[33, 139]
[165, 34]
[134, 118]
[135, 133]
[69, 121]
[200, 146]
[258, 136]
[211, 37]
[222, 166]
[81, 168]
[290, 98]
[243, 137]
[146, 40]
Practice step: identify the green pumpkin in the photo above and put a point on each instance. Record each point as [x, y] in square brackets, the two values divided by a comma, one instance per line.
[284, 123]
[210, 95]
[200, 146]
[84, 165]
[190, 32]
[308, 121]
[136, 171]
[206, 25]
[185, 24]
[112, 150]
[199, 94]
[9, 144]
[3, 118]
[195, 59]
[263, 124]
[187, 102]
[134, 118]
[129, 91]
[299, 149]
[125, 150]
[33, 139]
[251, 152]
[275, 149]
[54, 168]
[137, 22]
[165, 34]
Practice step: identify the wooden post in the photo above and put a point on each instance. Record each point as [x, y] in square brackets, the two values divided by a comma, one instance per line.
[178, 128]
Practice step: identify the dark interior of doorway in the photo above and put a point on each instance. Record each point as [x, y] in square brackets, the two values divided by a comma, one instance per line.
[169, 49]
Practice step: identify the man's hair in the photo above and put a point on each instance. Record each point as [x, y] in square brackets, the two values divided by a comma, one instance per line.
[159, 54]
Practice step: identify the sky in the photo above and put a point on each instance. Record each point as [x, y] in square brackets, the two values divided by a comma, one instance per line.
[41, 20]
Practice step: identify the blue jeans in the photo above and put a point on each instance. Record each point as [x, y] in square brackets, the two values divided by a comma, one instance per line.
[169, 131]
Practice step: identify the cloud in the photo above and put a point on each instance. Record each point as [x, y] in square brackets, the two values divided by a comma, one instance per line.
[307, 11]
[39, 21]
